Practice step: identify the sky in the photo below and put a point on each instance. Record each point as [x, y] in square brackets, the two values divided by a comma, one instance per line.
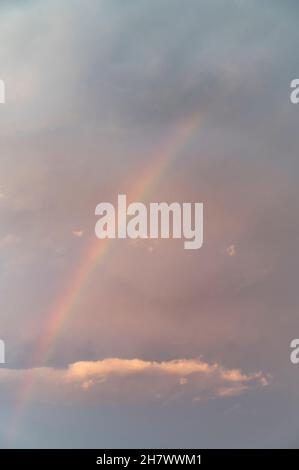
[140, 343]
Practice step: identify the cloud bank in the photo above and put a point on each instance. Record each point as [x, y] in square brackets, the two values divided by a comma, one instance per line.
[128, 381]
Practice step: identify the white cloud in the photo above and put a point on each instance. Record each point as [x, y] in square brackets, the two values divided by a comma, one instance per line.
[9, 239]
[133, 381]
[78, 233]
[231, 250]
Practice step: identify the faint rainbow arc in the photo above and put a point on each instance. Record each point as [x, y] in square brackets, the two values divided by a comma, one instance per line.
[95, 253]
[98, 249]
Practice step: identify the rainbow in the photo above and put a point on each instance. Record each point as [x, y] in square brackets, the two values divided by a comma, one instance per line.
[93, 256]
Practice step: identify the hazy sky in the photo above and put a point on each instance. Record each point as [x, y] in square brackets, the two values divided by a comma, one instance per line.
[150, 345]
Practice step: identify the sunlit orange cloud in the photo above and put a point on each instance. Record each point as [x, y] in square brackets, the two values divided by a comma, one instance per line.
[114, 380]
[95, 253]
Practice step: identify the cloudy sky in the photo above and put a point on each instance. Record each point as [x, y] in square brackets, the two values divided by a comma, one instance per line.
[142, 343]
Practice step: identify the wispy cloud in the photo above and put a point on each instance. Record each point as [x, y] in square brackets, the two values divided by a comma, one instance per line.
[78, 233]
